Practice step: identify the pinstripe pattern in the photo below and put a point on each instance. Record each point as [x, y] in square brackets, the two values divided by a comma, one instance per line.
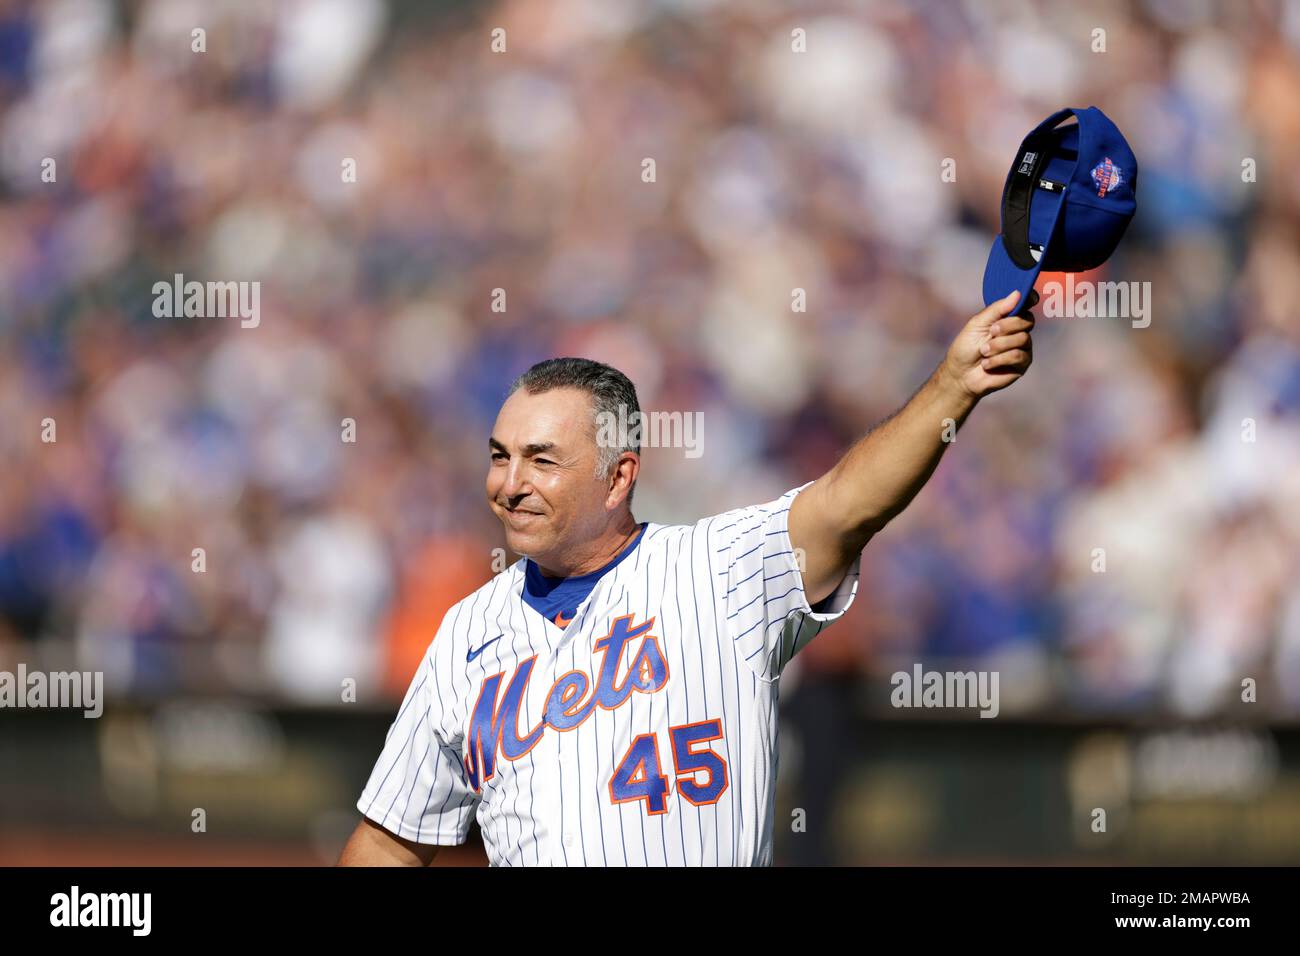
[729, 615]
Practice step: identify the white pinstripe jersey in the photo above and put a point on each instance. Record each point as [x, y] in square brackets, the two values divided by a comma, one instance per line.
[642, 734]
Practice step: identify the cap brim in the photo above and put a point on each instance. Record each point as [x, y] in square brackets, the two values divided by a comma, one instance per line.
[1002, 276]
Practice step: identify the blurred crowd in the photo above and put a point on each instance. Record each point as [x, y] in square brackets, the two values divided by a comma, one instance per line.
[433, 197]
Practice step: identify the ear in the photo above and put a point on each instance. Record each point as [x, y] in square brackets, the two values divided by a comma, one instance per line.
[622, 477]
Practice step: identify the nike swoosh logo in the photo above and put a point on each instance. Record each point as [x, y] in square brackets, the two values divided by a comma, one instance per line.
[479, 650]
[559, 619]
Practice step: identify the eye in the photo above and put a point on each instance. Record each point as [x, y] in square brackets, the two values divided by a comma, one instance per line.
[544, 461]
[498, 455]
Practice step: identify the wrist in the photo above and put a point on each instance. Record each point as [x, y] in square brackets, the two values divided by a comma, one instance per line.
[953, 389]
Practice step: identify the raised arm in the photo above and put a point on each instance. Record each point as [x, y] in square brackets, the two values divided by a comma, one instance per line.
[833, 518]
[372, 845]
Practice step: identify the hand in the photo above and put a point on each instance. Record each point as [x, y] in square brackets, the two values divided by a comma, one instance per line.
[993, 350]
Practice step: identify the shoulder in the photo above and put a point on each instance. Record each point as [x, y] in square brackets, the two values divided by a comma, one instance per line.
[459, 620]
[665, 539]
[726, 527]
[491, 592]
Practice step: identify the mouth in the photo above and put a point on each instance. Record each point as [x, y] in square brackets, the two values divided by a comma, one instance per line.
[518, 518]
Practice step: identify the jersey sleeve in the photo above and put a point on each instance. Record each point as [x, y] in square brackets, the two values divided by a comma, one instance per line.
[759, 586]
[418, 788]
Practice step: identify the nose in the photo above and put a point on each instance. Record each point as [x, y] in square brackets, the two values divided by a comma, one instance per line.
[515, 488]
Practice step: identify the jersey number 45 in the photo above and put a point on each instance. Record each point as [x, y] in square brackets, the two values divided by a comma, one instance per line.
[638, 775]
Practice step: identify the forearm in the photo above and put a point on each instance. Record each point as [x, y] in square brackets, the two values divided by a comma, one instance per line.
[883, 471]
[832, 520]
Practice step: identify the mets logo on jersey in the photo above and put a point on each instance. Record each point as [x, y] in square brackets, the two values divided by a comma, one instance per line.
[1107, 176]
[494, 724]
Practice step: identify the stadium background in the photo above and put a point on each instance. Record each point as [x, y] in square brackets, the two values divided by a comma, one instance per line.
[522, 171]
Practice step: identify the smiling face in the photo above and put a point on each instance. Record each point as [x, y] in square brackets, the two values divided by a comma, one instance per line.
[542, 480]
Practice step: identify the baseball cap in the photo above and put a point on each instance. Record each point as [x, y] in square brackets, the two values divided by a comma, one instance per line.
[1068, 199]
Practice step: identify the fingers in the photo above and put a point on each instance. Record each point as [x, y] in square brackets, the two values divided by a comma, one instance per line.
[1002, 343]
[1012, 360]
[1015, 323]
[996, 310]
[1008, 351]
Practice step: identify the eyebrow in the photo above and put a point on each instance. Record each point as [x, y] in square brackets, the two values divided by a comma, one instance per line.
[536, 448]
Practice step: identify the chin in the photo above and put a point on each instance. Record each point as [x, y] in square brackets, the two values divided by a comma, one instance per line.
[522, 543]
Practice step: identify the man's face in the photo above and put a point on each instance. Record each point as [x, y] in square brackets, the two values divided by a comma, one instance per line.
[542, 480]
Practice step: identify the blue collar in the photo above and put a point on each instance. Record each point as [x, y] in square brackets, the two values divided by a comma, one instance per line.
[551, 596]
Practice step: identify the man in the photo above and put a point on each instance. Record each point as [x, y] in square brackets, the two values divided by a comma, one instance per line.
[611, 698]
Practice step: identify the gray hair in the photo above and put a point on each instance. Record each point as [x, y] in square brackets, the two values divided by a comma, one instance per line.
[610, 391]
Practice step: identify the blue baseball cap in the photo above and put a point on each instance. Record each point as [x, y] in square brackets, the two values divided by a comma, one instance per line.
[1068, 199]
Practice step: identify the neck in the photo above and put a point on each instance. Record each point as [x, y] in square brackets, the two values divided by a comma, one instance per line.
[595, 554]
